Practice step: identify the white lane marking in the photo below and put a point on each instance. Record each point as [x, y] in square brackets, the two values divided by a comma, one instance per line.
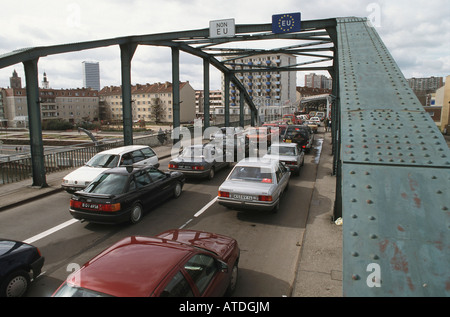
[72, 221]
[198, 213]
[50, 231]
[205, 207]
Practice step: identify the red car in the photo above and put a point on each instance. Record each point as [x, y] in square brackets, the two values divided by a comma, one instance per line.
[175, 263]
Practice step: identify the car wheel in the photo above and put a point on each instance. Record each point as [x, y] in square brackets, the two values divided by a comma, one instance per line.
[136, 213]
[177, 190]
[233, 280]
[277, 206]
[16, 284]
[211, 173]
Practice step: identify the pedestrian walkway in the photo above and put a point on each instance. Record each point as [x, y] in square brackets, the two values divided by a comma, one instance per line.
[319, 271]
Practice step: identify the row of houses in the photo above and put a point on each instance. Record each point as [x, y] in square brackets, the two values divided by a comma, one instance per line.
[87, 105]
[274, 93]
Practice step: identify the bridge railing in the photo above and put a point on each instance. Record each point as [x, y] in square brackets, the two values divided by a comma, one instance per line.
[19, 167]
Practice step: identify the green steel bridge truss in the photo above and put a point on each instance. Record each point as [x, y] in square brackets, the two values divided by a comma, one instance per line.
[392, 164]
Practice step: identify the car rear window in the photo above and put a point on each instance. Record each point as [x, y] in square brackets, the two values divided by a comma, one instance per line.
[282, 150]
[252, 173]
[295, 131]
[112, 184]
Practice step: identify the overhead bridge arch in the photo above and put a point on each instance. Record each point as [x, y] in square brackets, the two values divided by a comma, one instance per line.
[392, 165]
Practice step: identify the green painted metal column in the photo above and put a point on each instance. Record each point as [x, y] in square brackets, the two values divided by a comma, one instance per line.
[227, 99]
[241, 111]
[206, 109]
[34, 120]
[126, 54]
[176, 89]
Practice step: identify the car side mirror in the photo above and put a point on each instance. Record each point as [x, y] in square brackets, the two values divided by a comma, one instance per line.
[223, 267]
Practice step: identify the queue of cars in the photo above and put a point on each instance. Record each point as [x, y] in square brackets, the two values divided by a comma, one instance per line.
[122, 184]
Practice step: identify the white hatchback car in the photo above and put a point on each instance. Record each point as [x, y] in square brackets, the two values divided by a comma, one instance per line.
[125, 155]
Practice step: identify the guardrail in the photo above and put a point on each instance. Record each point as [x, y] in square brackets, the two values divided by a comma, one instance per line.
[18, 167]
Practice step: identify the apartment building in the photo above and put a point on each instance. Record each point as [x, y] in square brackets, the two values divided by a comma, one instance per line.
[73, 105]
[215, 101]
[318, 81]
[91, 75]
[145, 98]
[269, 90]
[428, 83]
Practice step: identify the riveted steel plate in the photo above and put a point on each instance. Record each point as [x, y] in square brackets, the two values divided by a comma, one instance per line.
[391, 137]
[395, 176]
[399, 219]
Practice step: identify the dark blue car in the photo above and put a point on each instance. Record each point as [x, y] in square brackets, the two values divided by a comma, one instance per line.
[124, 194]
[19, 263]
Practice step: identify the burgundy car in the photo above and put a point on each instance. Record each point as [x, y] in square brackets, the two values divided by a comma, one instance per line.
[174, 263]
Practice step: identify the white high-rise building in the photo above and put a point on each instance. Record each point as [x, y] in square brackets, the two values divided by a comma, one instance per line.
[91, 75]
[271, 91]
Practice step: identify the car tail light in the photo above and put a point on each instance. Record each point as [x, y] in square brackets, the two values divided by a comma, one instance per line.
[198, 168]
[224, 194]
[109, 207]
[173, 166]
[75, 203]
[264, 198]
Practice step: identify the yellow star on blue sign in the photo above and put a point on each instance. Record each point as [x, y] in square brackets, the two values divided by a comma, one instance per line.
[286, 23]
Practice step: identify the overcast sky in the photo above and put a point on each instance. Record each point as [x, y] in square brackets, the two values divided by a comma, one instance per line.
[416, 32]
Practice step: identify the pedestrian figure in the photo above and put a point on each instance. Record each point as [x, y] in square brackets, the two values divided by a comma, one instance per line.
[327, 121]
[162, 137]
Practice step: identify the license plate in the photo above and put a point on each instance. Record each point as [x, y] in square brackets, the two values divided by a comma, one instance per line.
[288, 141]
[89, 206]
[243, 197]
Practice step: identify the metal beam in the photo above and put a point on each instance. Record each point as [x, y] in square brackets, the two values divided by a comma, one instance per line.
[206, 108]
[126, 54]
[176, 88]
[227, 99]
[34, 120]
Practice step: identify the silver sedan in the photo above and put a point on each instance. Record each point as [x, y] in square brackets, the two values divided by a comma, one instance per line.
[255, 183]
[289, 154]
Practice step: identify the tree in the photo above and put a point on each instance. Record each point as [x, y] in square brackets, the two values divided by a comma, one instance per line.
[157, 110]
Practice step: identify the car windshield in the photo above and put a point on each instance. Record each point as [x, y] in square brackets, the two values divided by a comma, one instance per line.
[103, 160]
[68, 290]
[252, 173]
[111, 184]
[282, 150]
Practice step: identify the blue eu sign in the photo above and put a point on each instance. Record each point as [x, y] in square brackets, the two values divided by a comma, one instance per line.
[286, 23]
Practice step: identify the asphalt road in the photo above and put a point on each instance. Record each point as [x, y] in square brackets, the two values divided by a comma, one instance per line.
[270, 243]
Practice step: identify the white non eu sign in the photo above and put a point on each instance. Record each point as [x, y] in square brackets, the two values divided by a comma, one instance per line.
[222, 28]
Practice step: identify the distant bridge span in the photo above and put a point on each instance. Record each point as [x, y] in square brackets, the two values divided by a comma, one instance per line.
[392, 164]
